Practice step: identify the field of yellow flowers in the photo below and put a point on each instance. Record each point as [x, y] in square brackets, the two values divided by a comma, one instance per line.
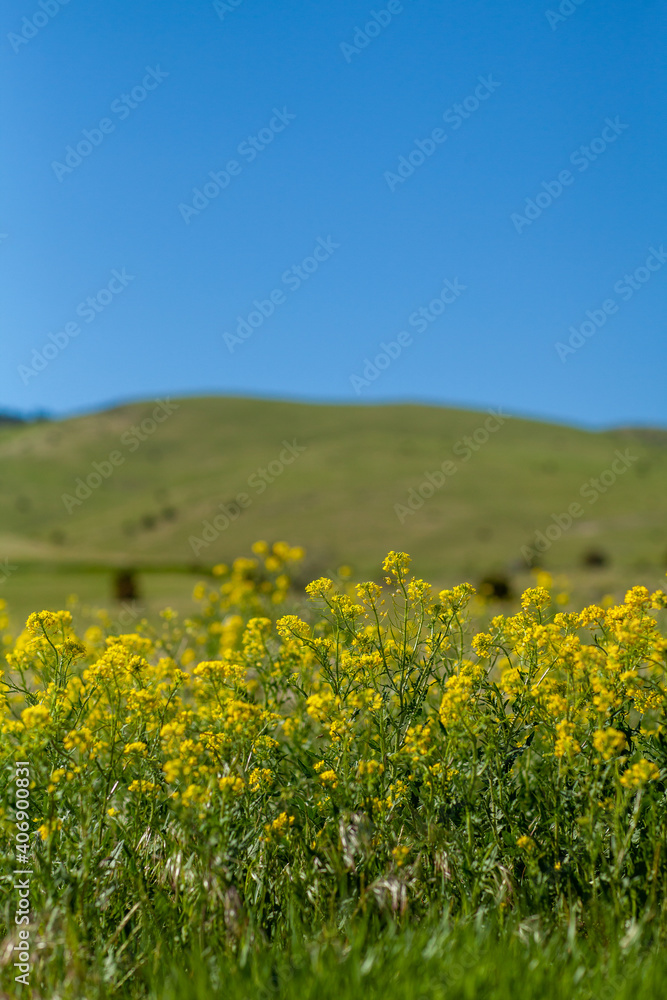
[367, 774]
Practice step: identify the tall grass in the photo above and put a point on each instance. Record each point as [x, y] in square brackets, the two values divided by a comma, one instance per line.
[352, 797]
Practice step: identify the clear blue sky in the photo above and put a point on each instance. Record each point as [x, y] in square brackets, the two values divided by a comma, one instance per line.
[200, 82]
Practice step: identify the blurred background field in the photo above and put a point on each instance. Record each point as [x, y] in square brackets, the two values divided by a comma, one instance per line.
[338, 499]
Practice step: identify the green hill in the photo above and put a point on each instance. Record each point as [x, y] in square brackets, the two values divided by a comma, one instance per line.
[136, 484]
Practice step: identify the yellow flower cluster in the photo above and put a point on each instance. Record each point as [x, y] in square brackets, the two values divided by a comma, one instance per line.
[358, 718]
[639, 773]
[609, 742]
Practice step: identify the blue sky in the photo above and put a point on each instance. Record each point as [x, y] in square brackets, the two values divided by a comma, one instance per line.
[334, 111]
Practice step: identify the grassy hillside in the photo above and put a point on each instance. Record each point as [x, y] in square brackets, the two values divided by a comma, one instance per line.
[337, 497]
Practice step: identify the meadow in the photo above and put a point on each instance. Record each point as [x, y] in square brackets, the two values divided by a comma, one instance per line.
[371, 787]
[361, 473]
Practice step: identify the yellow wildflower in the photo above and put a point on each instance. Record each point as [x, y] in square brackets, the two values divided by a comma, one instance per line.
[637, 775]
[609, 742]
